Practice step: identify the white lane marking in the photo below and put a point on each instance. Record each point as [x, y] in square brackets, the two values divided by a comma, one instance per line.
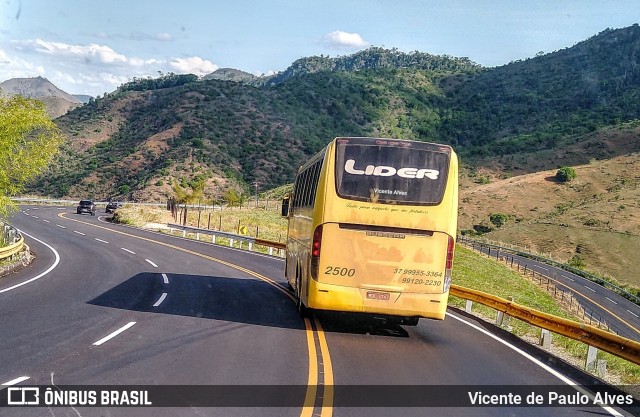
[590, 289]
[633, 313]
[541, 267]
[127, 250]
[114, 334]
[80, 233]
[60, 226]
[614, 302]
[55, 263]
[46, 221]
[15, 381]
[161, 299]
[35, 217]
[165, 278]
[100, 240]
[547, 368]
[151, 263]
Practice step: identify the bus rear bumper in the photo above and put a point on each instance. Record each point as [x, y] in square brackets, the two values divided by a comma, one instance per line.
[361, 300]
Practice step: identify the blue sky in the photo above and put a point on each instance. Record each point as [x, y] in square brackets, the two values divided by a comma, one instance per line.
[91, 46]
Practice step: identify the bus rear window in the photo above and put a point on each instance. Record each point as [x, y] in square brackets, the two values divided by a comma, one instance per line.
[393, 172]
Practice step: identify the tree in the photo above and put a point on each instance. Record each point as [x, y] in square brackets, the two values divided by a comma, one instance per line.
[231, 197]
[28, 142]
[183, 196]
[498, 219]
[565, 174]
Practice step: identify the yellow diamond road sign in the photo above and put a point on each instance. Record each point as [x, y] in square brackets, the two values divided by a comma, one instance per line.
[242, 230]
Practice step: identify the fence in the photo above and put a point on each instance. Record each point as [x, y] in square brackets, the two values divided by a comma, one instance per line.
[232, 238]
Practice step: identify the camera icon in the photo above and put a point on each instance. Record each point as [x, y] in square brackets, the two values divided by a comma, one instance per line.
[23, 396]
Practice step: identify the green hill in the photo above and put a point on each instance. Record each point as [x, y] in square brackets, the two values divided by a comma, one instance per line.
[149, 134]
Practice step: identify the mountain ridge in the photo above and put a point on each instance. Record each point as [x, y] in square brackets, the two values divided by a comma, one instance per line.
[238, 132]
[57, 102]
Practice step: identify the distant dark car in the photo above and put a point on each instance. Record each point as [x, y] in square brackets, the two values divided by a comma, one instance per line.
[86, 206]
[112, 206]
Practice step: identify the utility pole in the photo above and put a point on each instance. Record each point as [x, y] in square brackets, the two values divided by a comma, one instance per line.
[255, 184]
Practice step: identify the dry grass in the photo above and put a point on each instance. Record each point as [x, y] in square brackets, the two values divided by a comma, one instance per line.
[595, 216]
[266, 224]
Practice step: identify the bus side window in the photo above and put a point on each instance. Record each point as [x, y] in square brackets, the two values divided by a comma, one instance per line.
[285, 205]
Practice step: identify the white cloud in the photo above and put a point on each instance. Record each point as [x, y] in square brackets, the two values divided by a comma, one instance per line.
[15, 67]
[192, 65]
[88, 53]
[345, 40]
[89, 69]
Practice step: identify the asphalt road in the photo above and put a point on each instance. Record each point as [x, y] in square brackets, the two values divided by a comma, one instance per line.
[115, 306]
[599, 303]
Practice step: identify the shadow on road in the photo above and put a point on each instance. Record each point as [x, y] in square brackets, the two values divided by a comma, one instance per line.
[359, 324]
[236, 300]
[208, 297]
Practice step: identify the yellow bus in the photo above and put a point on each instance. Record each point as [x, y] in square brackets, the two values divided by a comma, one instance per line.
[371, 228]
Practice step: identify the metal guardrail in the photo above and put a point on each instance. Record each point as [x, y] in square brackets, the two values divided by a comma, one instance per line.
[13, 240]
[233, 237]
[593, 278]
[592, 336]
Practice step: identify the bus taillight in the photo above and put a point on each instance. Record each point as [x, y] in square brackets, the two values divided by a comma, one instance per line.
[449, 264]
[315, 251]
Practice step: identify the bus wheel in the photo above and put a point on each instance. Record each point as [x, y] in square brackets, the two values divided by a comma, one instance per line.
[410, 321]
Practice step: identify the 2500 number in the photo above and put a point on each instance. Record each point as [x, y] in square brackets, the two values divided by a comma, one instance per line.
[338, 271]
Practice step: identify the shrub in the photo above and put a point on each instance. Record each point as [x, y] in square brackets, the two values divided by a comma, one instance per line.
[481, 229]
[565, 174]
[498, 219]
[577, 262]
[124, 189]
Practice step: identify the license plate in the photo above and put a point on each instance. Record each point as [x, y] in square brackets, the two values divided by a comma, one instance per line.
[378, 295]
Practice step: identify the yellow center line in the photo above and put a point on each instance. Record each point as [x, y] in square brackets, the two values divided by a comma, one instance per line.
[604, 308]
[327, 400]
[312, 381]
[596, 303]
